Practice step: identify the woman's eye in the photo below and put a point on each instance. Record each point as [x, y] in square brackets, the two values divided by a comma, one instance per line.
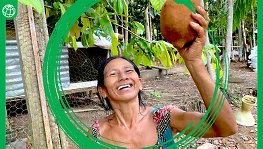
[128, 71]
[111, 75]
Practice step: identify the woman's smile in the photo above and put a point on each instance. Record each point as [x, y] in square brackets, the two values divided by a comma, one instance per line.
[121, 80]
[125, 87]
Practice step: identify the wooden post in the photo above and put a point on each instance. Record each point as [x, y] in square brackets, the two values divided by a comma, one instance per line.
[39, 77]
[30, 78]
[42, 38]
[64, 142]
[7, 125]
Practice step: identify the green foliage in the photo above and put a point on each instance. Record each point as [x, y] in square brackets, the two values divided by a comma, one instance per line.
[139, 28]
[211, 51]
[33, 3]
[87, 25]
[155, 94]
[218, 13]
[241, 9]
[150, 53]
[157, 4]
[99, 20]
[120, 6]
[236, 96]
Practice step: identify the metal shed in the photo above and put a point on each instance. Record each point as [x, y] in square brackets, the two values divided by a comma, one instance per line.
[14, 81]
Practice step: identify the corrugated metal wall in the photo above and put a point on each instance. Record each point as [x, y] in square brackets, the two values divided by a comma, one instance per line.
[14, 82]
[64, 68]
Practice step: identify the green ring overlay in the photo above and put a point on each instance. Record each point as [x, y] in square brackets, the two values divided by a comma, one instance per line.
[74, 128]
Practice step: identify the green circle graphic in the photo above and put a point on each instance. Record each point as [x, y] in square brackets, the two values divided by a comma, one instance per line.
[73, 127]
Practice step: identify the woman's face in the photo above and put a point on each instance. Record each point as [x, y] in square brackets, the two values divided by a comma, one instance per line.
[121, 82]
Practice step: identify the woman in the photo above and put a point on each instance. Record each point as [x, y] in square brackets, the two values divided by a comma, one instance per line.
[134, 125]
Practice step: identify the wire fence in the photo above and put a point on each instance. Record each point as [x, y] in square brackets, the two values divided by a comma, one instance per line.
[24, 117]
[17, 117]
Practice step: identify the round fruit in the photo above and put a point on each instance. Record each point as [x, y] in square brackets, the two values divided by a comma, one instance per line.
[174, 22]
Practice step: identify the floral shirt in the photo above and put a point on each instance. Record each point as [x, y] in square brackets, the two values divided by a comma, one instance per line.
[161, 117]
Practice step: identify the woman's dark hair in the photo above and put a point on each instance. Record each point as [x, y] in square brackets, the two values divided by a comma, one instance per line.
[100, 79]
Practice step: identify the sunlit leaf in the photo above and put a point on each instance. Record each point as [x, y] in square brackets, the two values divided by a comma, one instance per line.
[125, 8]
[106, 25]
[84, 40]
[114, 41]
[144, 45]
[126, 52]
[115, 5]
[75, 30]
[62, 9]
[146, 61]
[204, 58]
[165, 57]
[86, 24]
[73, 43]
[33, 3]
[120, 6]
[139, 27]
[138, 58]
[157, 4]
[47, 12]
[91, 37]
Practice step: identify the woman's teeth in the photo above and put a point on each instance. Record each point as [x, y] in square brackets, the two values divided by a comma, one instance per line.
[124, 86]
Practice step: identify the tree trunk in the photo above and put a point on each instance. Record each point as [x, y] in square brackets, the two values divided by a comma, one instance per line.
[30, 78]
[147, 25]
[229, 29]
[241, 49]
[253, 23]
[245, 39]
[126, 38]
[209, 66]
[227, 52]
[150, 24]
[122, 32]
[122, 25]
[41, 31]
[116, 27]
[42, 38]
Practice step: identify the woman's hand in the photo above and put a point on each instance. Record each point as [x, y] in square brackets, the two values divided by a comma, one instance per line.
[194, 51]
[225, 123]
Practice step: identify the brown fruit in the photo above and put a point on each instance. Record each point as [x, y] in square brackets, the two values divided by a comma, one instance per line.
[174, 22]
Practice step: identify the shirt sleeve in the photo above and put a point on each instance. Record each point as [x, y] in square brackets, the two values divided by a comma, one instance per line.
[160, 112]
[95, 127]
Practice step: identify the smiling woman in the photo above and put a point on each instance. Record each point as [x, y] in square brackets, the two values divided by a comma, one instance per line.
[135, 125]
[130, 68]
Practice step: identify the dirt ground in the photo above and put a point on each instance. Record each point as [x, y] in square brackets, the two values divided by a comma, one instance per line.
[178, 89]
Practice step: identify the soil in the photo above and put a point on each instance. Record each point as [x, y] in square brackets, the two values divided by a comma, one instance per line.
[179, 89]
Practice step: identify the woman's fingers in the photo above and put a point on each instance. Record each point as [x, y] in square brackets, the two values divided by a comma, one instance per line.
[203, 22]
[199, 29]
[203, 13]
[201, 17]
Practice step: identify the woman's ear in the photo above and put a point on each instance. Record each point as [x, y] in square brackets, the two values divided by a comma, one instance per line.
[140, 85]
[102, 91]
